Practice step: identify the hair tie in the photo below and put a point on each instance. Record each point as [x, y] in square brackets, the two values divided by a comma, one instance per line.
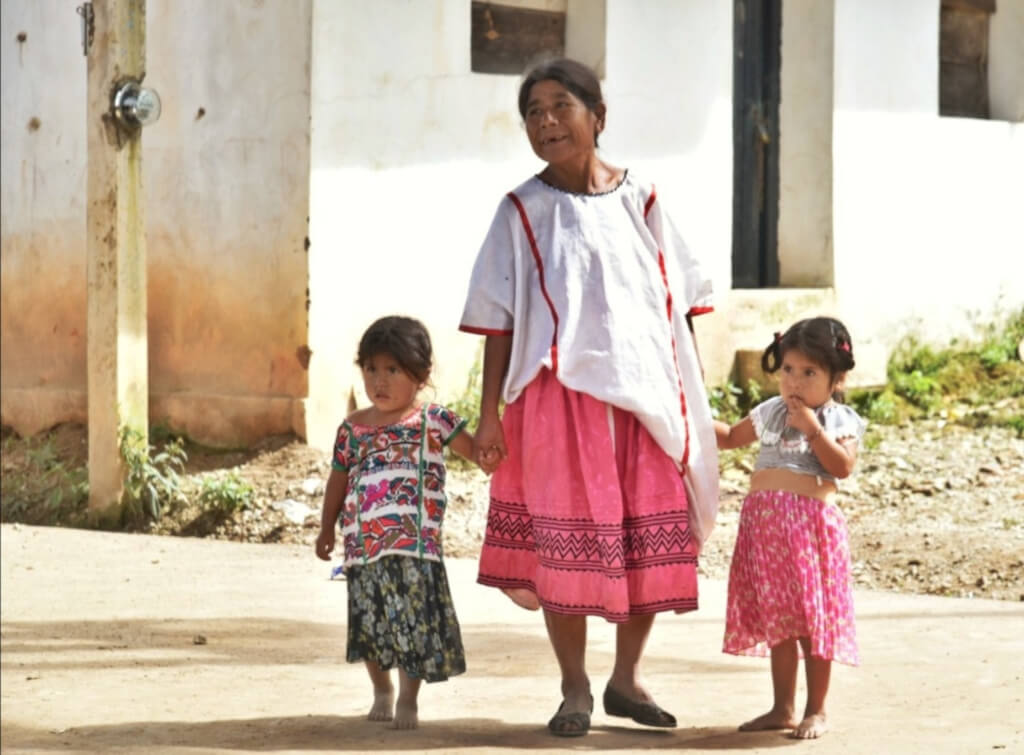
[844, 346]
[778, 336]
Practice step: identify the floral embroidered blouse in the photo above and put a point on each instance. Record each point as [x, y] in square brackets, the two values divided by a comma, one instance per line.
[395, 501]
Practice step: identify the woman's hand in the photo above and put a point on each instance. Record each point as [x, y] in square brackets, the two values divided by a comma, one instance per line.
[489, 443]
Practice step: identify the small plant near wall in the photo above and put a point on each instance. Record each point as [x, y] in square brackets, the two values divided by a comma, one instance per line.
[152, 480]
[224, 495]
[40, 484]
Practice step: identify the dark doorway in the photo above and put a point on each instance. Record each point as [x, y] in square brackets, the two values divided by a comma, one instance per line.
[757, 41]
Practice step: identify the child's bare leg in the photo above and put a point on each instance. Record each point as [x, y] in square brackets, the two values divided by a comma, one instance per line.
[819, 672]
[383, 693]
[406, 708]
[784, 667]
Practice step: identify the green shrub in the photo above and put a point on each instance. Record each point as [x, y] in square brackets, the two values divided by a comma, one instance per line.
[224, 495]
[152, 481]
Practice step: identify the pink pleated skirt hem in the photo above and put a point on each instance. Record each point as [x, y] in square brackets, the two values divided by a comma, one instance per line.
[790, 577]
[587, 512]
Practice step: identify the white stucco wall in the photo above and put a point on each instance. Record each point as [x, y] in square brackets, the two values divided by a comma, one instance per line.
[928, 228]
[226, 206]
[411, 153]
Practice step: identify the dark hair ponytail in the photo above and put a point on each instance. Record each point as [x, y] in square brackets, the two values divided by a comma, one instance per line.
[824, 340]
[771, 359]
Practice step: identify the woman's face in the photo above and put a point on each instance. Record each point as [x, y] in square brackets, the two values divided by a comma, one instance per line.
[559, 125]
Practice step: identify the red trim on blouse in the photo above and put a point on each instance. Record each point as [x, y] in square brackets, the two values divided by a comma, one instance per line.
[675, 356]
[694, 311]
[668, 312]
[484, 331]
[540, 270]
[650, 202]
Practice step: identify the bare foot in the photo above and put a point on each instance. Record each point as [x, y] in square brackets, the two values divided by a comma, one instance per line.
[773, 719]
[405, 715]
[811, 727]
[383, 705]
[523, 598]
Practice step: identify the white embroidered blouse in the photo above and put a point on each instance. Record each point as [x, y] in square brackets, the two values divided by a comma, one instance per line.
[596, 288]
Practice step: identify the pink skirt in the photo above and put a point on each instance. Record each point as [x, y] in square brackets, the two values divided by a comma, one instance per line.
[587, 511]
[790, 577]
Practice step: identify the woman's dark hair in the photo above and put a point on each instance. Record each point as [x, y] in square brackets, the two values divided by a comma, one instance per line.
[824, 340]
[573, 75]
[403, 338]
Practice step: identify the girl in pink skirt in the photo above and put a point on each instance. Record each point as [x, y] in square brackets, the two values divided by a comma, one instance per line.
[790, 591]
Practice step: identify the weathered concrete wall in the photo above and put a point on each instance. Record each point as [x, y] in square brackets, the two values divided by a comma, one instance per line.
[367, 118]
[42, 206]
[225, 174]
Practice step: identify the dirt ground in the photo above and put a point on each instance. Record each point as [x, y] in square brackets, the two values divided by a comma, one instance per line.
[236, 640]
[150, 644]
[934, 507]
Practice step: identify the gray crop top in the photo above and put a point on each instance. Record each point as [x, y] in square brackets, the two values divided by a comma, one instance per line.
[787, 448]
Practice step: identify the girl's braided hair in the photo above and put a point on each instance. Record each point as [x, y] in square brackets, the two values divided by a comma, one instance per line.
[824, 340]
[405, 339]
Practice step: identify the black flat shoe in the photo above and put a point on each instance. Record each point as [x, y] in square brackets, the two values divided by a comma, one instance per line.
[569, 724]
[641, 711]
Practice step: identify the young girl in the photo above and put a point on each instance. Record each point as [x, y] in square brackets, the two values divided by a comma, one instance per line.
[387, 483]
[789, 583]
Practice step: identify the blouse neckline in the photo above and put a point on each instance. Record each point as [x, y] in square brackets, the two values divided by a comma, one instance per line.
[402, 421]
[615, 188]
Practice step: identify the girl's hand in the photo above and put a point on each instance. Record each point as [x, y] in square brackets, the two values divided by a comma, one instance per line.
[325, 544]
[801, 416]
[489, 443]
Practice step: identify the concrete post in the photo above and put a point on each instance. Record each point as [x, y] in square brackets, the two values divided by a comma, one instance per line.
[118, 382]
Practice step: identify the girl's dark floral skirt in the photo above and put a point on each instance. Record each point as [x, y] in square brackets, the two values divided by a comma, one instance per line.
[401, 613]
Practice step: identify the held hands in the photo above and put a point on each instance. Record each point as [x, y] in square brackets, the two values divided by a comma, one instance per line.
[489, 444]
[801, 416]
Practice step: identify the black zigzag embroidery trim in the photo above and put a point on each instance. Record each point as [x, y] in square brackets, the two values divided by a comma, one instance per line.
[643, 541]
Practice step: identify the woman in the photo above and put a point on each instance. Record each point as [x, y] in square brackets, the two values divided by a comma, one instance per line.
[584, 292]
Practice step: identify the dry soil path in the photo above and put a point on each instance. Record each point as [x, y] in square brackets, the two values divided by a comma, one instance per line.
[137, 643]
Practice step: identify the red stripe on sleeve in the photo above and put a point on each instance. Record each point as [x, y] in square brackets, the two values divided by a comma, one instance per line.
[484, 331]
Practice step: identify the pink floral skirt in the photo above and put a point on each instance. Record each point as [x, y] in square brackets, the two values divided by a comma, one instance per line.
[790, 577]
[587, 512]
